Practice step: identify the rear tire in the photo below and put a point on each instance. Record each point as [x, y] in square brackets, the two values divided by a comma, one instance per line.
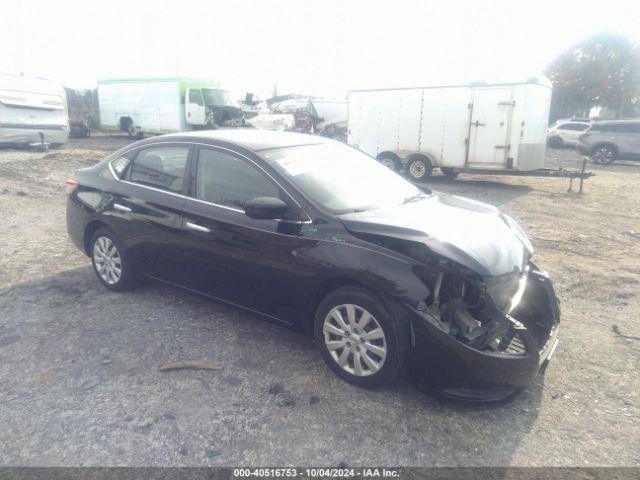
[362, 348]
[604, 154]
[419, 168]
[109, 261]
[556, 142]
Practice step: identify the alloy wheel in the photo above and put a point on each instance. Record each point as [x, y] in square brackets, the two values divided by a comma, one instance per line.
[355, 340]
[417, 169]
[107, 260]
[604, 155]
[389, 163]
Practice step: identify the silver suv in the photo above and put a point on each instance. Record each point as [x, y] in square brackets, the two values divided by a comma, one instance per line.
[606, 142]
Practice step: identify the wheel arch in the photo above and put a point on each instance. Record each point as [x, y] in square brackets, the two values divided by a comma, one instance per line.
[89, 230]
[326, 287]
[388, 154]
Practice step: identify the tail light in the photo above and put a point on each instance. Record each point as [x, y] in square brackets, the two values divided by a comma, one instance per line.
[70, 186]
[582, 136]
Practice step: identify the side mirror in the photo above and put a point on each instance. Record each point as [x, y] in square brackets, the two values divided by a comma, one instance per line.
[266, 208]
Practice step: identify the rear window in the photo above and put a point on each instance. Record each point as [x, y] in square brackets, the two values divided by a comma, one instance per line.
[630, 127]
[160, 167]
[578, 127]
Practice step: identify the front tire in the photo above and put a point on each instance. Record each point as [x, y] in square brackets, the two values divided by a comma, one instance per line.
[604, 154]
[109, 261]
[357, 338]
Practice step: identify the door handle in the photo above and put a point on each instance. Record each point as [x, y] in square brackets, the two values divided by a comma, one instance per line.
[122, 208]
[197, 228]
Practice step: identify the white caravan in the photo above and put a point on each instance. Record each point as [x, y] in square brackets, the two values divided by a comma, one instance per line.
[480, 127]
[158, 105]
[32, 110]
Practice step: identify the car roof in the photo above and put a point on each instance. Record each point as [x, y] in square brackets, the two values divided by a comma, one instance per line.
[617, 122]
[572, 120]
[250, 138]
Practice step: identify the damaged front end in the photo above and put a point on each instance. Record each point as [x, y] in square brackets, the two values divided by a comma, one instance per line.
[484, 338]
[484, 320]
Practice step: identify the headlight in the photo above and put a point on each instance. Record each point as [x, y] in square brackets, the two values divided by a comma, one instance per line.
[519, 233]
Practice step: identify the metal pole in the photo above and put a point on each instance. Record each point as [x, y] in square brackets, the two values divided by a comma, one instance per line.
[584, 166]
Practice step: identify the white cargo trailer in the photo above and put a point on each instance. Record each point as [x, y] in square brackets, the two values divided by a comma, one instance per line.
[32, 110]
[158, 105]
[488, 128]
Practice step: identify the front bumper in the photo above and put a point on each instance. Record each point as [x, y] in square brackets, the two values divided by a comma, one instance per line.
[459, 371]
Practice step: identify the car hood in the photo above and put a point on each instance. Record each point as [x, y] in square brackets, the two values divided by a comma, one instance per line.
[471, 233]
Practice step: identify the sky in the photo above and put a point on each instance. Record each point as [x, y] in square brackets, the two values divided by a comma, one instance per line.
[311, 47]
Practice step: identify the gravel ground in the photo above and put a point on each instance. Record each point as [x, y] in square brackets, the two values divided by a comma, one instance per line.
[79, 374]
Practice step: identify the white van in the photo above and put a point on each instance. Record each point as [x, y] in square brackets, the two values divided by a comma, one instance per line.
[32, 110]
[457, 128]
[157, 105]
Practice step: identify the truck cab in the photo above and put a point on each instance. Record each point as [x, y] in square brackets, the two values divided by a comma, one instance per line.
[211, 108]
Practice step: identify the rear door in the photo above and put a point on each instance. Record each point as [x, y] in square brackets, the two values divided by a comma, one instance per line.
[230, 256]
[634, 141]
[569, 132]
[626, 136]
[489, 129]
[145, 208]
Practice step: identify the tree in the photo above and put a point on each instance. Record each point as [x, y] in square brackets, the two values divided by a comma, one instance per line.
[602, 70]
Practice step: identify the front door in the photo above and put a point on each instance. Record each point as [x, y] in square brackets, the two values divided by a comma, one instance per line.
[230, 256]
[145, 209]
[194, 107]
[489, 128]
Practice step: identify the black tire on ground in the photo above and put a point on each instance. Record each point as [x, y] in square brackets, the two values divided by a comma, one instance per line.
[127, 278]
[555, 142]
[449, 172]
[604, 154]
[390, 161]
[419, 167]
[391, 366]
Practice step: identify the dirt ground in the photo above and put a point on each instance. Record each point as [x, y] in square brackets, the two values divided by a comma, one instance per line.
[78, 364]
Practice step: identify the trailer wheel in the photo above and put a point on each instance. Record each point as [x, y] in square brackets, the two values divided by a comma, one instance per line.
[419, 167]
[389, 160]
[449, 172]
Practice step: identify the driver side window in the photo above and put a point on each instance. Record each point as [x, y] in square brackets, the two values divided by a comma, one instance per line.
[230, 181]
[195, 96]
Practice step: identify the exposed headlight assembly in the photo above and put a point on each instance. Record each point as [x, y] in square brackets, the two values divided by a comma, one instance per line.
[519, 232]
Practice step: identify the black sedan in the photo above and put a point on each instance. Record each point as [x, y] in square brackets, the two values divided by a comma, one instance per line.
[314, 234]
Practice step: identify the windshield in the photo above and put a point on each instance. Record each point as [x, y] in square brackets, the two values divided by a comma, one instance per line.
[340, 178]
[219, 98]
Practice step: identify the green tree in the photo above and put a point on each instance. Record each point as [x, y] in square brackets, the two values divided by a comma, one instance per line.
[602, 70]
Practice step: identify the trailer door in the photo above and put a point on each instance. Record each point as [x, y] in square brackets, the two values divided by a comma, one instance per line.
[489, 128]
